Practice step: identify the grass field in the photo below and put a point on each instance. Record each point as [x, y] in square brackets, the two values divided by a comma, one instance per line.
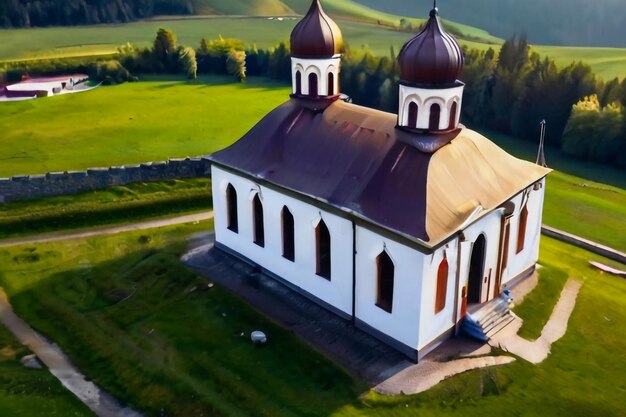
[131, 288]
[101, 39]
[123, 204]
[31, 392]
[130, 123]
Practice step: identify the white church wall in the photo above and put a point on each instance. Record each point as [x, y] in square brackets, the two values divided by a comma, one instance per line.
[425, 98]
[520, 262]
[433, 324]
[403, 321]
[301, 272]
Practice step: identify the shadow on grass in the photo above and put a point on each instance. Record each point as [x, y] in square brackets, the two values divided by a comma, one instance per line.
[154, 334]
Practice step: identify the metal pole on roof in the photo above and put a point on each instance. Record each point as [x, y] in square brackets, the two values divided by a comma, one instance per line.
[541, 156]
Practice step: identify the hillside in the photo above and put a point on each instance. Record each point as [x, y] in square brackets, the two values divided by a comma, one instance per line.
[556, 22]
[39, 13]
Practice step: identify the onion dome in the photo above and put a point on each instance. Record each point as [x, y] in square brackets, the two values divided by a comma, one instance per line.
[316, 35]
[432, 56]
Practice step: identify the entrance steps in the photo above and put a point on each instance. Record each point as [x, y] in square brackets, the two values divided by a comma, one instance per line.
[490, 318]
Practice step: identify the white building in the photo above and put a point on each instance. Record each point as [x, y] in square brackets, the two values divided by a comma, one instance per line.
[396, 222]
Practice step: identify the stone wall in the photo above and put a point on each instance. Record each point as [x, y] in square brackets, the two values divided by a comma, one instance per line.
[26, 187]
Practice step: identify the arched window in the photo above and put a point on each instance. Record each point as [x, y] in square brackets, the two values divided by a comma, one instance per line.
[313, 85]
[521, 233]
[384, 288]
[298, 82]
[322, 250]
[288, 234]
[331, 84]
[257, 217]
[453, 110]
[435, 111]
[413, 109]
[442, 286]
[231, 208]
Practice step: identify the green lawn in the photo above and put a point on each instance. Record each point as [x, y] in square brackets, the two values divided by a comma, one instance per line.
[122, 204]
[31, 392]
[103, 39]
[131, 123]
[131, 288]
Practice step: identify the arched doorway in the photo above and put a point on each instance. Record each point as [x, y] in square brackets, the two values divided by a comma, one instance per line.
[477, 271]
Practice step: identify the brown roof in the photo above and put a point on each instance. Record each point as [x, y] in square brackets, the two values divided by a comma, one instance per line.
[432, 56]
[356, 160]
[316, 35]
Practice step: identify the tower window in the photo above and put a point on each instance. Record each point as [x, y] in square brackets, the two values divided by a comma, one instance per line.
[298, 82]
[231, 208]
[385, 278]
[413, 109]
[322, 250]
[521, 234]
[453, 110]
[257, 217]
[442, 286]
[313, 85]
[288, 234]
[331, 84]
[435, 111]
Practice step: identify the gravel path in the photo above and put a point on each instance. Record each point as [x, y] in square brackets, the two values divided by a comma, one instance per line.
[150, 224]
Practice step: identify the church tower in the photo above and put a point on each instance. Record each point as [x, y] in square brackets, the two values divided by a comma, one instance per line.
[316, 46]
[430, 94]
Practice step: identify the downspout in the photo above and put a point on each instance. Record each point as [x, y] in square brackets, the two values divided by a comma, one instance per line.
[457, 285]
[353, 273]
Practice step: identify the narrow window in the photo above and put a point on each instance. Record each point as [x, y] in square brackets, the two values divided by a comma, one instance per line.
[413, 115]
[231, 208]
[322, 245]
[331, 84]
[288, 234]
[505, 247]
[313, 85]
[453, 110]
[257, 217]
[433, 123]
[442, 286]
[385, 271]
[298, 83]
[521, 233]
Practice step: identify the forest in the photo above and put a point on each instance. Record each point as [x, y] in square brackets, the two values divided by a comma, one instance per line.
[19, 13]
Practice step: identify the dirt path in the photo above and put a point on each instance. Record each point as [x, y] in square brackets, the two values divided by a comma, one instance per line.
[538, 350]
[99, 401]
[150, 224]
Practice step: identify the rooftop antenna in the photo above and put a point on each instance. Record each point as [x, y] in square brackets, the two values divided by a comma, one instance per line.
[541, 156]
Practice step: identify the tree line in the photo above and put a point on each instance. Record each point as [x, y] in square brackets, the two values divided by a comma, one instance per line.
[510, 91]
[20, 13]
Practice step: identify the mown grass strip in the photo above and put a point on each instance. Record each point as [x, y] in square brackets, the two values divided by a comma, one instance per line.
[104, 207]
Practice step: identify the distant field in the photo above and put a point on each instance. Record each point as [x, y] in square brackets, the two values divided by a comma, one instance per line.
[101, 39]
[130, 123]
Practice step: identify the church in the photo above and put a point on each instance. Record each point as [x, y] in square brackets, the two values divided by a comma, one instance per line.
[399, 223]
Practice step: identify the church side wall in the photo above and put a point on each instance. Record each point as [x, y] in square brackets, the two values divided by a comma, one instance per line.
[337, 291]
[433, 324]
[402, 323]
[520, 262]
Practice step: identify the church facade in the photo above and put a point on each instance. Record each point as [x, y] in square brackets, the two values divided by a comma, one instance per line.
[395, 222]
